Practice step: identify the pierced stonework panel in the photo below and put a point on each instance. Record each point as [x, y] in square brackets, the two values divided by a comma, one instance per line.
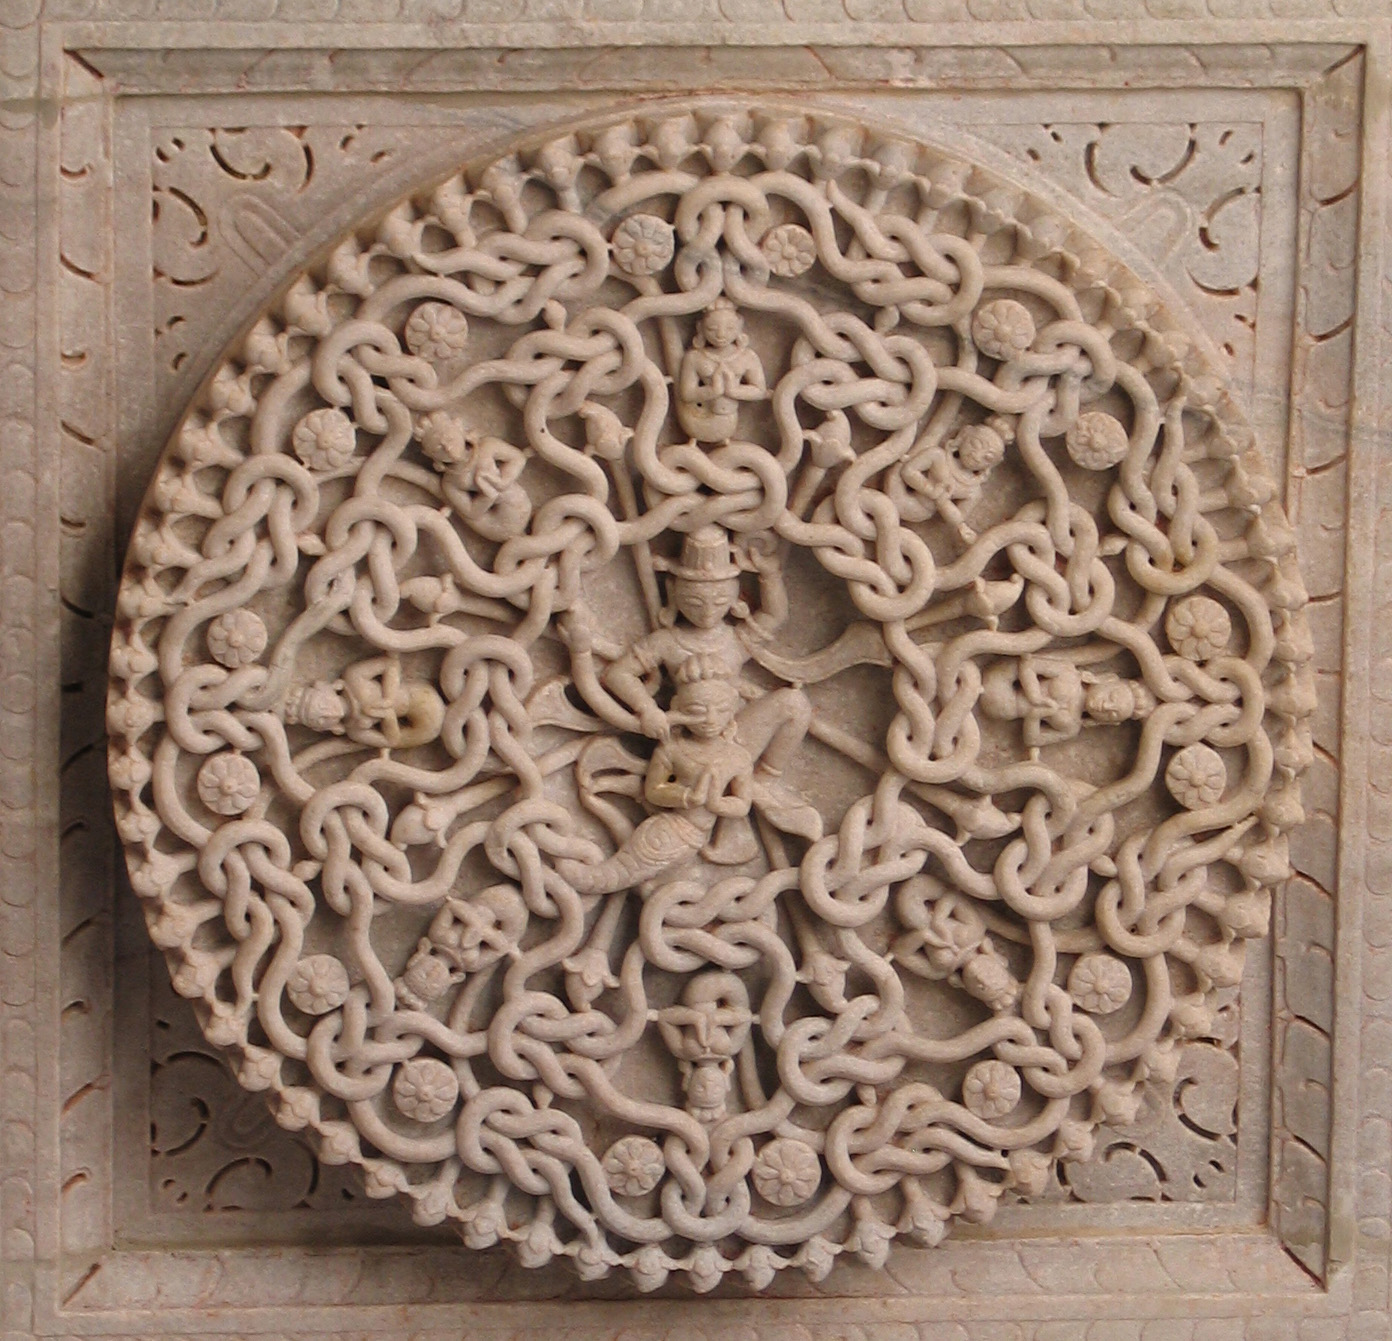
[713, 692]
[1187, 193]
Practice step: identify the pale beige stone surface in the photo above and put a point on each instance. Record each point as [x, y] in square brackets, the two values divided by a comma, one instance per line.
[157, 201]
[651, 829]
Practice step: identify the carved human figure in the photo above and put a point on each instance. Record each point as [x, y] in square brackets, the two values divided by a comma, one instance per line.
[699, 774]
[718, 372]
[699, 642]
[705, 1032]
[483, 487]
[1109, 700]
[947, 478]
[1054, 700]
[372, 704]
[1044, 694]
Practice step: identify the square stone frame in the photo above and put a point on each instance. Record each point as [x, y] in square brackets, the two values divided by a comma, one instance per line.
[1319, 1268]
[178, 1181]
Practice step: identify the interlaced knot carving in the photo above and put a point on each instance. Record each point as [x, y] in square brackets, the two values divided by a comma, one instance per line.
[707, 694]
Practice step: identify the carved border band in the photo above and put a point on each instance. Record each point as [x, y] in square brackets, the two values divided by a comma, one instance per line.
[1333, 1149]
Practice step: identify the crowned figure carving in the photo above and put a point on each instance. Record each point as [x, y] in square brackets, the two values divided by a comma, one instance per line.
[709, 694]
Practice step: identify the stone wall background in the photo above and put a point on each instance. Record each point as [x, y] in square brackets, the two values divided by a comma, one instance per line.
[71, 966]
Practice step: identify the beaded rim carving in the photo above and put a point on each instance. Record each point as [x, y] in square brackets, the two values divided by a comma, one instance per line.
[521, 901]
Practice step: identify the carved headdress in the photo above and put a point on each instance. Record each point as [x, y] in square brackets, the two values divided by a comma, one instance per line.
[706, 556]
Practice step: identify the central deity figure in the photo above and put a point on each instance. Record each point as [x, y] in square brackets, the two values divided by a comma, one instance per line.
[696, 778]
[723, 742]
[698, 642]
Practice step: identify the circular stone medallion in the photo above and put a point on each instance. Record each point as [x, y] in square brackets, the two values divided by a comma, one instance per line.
[709, 693]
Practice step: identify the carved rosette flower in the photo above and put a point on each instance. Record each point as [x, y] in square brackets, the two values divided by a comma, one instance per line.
[787, 1172]
[513, 571]
[634, 1166]
[437, 331]
[1099, 983]
[1198, 628]
[1003, 329]
[237, 638]
[325, 440]
[789, 250]
[229, 784]
[425, 1089]
[991, 1089]
[1097, 441]
[317, 984]
[643, 244]
[1196, 776]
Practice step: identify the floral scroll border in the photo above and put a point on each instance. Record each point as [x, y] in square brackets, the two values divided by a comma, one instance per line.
[1332, 1160]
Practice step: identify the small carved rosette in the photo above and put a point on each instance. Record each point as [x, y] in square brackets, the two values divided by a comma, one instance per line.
[709, 694]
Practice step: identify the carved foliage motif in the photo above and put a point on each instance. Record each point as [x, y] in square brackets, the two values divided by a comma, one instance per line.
[1188, 194]
[1180, 1147]
[214, 1146]
[709, 694]
[229, 201]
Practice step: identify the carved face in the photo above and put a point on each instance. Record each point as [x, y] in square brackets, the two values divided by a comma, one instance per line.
[1110, 701]
[706, 707]
[708, 1086]
[721, 327]
[705, 604]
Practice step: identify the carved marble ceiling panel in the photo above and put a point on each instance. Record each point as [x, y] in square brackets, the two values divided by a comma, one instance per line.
[716, 690]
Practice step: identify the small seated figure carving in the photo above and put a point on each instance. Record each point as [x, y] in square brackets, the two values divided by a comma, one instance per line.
[373, 704]
[718, 372]
[1054, 700]
[463, 937]
[483, 487]
[1043, 693]
[947, 479]
[694, 779]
